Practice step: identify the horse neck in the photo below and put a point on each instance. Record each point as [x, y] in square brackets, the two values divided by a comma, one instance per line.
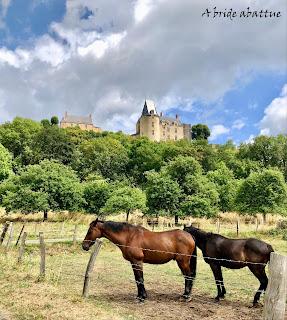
[115, 237]
[200, 238]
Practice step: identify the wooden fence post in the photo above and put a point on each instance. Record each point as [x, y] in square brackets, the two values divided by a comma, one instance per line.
[20, 235]
[275, 296]
[257, 222]
[62, 228]
[10, 236]
[218, 225]
[43, 256]
[4, 230]
[22, 247]
[75, 235]
[90, 266]
[237, 227]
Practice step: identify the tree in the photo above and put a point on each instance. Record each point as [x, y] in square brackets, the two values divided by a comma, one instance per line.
[54, 121]
[5, 163]
[202, 187]
[18, 137]
[145, 155]
[197, 206]
[96, 193]
[26, 200]
[104, 155]
[45, 123]
[125, 199]
[53, 143]
[163, 194]
[263, 192]
[179, 168]
[200, 131]
[226, 186]
[48, 180]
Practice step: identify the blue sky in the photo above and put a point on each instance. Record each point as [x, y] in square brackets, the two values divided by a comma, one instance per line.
[85, 57]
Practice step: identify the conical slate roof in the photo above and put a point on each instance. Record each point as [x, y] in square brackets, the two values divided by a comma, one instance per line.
[149, 108]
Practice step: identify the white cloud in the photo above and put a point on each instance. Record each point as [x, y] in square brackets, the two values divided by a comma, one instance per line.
[4, 6]
[238, 124]
[218, 130]
[108, 64]
[142, 8]
[275, 115]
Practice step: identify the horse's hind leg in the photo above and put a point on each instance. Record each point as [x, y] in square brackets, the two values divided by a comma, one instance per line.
[216, 269]
[221, 283]
[184, 265]
[138, 273]
[259, 272]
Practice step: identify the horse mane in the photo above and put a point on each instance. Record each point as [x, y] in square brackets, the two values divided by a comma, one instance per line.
[201, 234]
[118, 226]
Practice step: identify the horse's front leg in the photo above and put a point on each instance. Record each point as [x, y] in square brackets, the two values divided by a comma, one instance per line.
[138, 273]
[216, 269]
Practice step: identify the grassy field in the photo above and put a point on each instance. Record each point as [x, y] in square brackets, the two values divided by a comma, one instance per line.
[113, 290]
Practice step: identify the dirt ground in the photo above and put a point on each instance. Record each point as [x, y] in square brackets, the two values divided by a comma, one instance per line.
[170, 306]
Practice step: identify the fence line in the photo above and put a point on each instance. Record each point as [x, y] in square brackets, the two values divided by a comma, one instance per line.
[184, 254]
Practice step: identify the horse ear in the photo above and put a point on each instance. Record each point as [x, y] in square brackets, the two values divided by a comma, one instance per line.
[96, 220]
[184, 226]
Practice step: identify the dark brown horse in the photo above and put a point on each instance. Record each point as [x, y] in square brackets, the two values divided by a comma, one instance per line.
[219, 251]
[139, 245]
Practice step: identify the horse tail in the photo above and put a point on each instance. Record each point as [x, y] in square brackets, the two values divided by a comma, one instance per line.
[270, 249]
[193, 262]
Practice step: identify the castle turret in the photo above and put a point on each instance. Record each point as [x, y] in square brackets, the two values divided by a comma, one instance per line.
[148, 124]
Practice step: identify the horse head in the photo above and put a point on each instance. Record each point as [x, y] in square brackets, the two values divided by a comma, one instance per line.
[94, 232]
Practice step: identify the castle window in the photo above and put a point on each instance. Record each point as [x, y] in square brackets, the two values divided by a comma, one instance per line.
[175, 130]
[168, 137]
[175, 137]
[152, 132]
[152, 124]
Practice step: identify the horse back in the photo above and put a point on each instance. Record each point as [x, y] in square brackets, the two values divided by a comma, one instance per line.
[228, 251]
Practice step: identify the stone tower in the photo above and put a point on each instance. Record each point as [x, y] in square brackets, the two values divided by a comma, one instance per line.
[148, 124]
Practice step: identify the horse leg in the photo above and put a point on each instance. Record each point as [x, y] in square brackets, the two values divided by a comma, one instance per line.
[184, 265]
[259, 272]
[138, 273]
[216, 269]
[221, 283]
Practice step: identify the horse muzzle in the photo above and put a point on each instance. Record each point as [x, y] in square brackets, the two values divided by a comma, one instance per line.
[86, 245]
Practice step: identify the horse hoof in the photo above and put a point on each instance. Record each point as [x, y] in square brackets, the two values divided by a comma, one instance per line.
[185, 298]
[217, 299]
[256, 305]
[140, 300]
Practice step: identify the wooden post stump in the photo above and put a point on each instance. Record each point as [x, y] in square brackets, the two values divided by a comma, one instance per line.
[90, 266]
[275, 296]
[22, 247]
[4, 230]
[43, 256]
[20, 235]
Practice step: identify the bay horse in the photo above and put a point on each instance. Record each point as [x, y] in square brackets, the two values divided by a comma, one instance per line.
[219, 251]
[139, 245]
